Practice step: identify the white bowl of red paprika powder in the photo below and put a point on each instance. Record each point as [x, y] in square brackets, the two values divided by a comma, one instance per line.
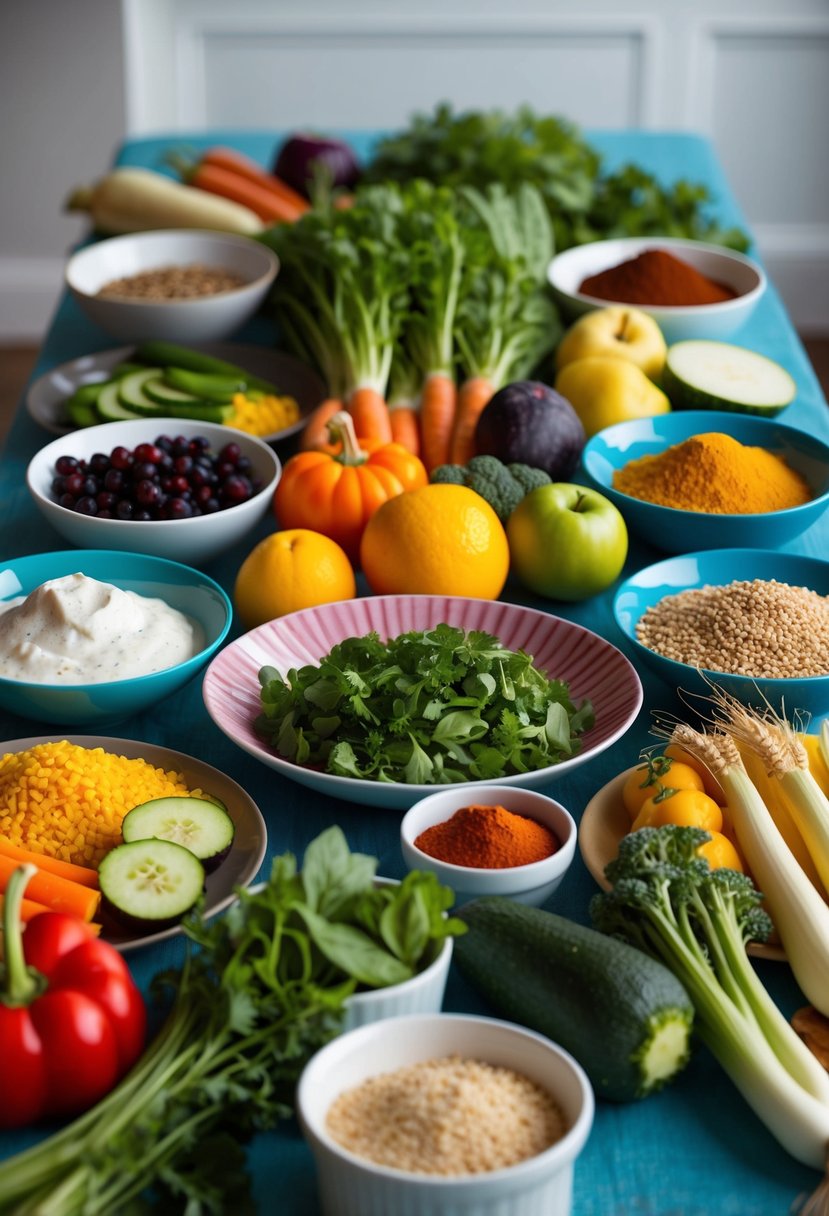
[690, 288]
[508, 841]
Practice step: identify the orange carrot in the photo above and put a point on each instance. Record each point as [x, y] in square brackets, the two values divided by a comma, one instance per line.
[58, 894]
[405, 427]
[28, 909]
[370, 414]
[86, 876]
[243, 166]
[474, 394]
[269, 206]
[437, 416]
[315, 432]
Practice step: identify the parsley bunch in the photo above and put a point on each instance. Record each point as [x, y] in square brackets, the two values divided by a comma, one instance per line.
[428, 707]
[584, 200]
[265, 989]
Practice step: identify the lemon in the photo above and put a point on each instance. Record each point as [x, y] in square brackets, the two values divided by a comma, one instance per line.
[288, 570]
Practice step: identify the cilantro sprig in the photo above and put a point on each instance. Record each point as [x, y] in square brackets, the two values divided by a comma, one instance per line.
[429, 707]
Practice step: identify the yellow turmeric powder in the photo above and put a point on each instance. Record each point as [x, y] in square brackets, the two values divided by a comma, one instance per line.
[716, 474]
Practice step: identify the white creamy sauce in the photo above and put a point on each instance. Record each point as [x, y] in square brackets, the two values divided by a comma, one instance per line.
[76, 630]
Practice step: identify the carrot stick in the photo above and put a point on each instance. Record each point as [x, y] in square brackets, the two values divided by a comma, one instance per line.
[315, 432]
[405, 427]
[58, 894]
[268, 206]
[86, 876]
[28, 909]
[243, 166]
[437, 416]
[474, 394]
[370, 414]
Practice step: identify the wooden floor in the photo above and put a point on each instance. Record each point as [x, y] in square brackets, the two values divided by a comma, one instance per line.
[16, 363]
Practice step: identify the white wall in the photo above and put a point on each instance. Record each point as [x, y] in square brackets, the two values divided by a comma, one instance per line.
[751, 74]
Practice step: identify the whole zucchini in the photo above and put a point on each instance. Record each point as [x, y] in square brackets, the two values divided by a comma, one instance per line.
[625, 1017]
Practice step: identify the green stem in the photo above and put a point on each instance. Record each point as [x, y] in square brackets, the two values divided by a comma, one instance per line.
[20, 987]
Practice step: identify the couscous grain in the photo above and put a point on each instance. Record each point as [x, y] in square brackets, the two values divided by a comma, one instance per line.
[67, 801]
[759, 628]
[448, 1116]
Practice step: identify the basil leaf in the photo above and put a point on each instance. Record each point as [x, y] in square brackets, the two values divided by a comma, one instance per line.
[354, 951]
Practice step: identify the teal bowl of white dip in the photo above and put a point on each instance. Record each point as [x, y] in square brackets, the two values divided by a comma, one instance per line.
[96, 635]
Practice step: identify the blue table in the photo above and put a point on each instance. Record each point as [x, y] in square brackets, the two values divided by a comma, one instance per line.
[696, 1148]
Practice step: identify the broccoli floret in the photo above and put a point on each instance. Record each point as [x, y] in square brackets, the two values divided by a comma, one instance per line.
[528, 477]
[503, 486]
[448, 474]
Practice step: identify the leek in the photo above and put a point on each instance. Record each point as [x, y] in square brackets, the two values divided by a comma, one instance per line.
[666, 900]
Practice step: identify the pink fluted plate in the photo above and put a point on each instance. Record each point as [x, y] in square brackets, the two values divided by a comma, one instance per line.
[591, 666]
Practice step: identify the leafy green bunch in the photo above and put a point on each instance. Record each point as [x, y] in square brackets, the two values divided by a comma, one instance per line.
[263, 990]
[585, 202]
[428, 707]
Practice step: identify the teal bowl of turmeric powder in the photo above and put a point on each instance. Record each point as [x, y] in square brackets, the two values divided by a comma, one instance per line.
[703, 479]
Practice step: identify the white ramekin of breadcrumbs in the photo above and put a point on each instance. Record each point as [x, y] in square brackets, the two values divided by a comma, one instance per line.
[432, 1114]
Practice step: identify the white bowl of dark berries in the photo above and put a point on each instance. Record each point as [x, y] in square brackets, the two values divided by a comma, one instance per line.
[168, 487]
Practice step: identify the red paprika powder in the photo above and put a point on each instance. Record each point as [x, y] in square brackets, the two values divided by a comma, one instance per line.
[489, 838]
[655, 277]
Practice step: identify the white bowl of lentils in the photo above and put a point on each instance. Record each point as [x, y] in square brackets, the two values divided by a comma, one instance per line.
[180, 285]
[756, 622]
[444, 1113]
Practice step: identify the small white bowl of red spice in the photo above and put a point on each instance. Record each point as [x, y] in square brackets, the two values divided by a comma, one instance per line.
[504, 840]
[690, 288]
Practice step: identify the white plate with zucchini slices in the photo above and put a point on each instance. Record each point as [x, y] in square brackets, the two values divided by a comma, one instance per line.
[48, 397]
[237, 869]
[603, 824]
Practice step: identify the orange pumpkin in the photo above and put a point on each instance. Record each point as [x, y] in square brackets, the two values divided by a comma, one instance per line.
[337, 492]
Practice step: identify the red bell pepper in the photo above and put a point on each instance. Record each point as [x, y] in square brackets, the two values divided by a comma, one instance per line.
[72, 1020]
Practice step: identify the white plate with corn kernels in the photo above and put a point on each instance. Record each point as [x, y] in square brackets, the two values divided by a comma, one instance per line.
[47, 395]
[250, 840]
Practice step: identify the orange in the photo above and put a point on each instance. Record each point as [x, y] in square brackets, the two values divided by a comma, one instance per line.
[436, 540]
[288, 570]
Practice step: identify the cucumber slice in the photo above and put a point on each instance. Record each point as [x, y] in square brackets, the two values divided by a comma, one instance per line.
[704, 375]
[203, 827]
[157, 389]
[110, 406]
[131, 391]
[151, 882]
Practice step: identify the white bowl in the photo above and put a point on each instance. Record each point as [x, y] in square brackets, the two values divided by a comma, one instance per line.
[528, 884]
[202, 319]
[192, 541]
[591, 666]
[352, 1186]
[717, 321]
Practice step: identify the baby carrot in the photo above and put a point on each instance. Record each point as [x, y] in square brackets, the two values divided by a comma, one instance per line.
[243, 166]
[270, 207]
[405, 427]
[370, 414]
[474, 394]
[53, 865]
[315, 432]
[58, 894]
[28, 909]
[437, 416]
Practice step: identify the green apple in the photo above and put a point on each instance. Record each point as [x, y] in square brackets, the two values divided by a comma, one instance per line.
[567, 542]
[603, 390]
[619, 332]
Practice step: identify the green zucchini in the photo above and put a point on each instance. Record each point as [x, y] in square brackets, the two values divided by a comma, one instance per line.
[620, 1013]
[704, 375]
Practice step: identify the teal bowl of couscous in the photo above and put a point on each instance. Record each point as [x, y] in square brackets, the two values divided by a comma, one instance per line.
[94, 636]
[754, 622]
